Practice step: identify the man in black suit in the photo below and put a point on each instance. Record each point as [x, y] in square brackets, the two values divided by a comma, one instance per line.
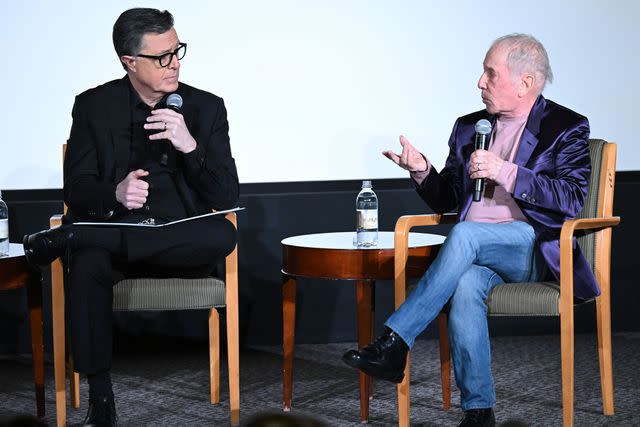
[131, 159]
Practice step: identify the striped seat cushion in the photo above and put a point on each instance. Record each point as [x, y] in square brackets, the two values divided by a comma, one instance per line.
[524, 299]
[168, 294]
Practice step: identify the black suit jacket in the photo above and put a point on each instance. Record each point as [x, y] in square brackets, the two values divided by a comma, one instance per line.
[99, 145]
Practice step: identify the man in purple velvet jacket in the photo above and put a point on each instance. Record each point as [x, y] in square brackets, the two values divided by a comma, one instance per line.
[536, 173]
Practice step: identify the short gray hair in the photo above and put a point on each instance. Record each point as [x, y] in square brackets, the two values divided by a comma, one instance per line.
[525, 54]
[133, 24]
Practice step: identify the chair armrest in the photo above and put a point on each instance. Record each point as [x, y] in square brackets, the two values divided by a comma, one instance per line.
[55, 221]
[231, 217]
[566, 250]
[231, 269]
[401, 246]
[406, 222]
[231, 261]
[571, 225]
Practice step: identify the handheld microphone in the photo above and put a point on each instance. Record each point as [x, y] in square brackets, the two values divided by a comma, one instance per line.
[173, 102]
[483, 129]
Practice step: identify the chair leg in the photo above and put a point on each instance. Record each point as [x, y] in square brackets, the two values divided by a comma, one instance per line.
[403, 396]
[214, 354]
[74, 382]
[567, 356]
[445, 360]
[57, 315]
[603, 312]
[233, 356]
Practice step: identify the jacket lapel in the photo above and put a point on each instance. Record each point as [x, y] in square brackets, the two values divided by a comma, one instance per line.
[529, 139]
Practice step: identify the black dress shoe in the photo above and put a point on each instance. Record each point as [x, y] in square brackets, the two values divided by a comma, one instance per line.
[478, 418]
[384, 358]
[42, 248]
[101, 413]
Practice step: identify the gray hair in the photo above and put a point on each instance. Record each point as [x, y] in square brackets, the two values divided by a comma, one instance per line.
[525, 54]
[133, 24]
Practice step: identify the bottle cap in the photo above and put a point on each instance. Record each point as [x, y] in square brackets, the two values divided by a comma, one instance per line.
[366, 184]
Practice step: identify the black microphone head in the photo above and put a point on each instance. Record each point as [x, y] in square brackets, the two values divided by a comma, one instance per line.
[174, 101]
[483, 127]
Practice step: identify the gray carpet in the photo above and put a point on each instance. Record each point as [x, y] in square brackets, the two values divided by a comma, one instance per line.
[169, 386]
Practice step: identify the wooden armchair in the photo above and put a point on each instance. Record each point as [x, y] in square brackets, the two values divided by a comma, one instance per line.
[153, 294]
[544, 298]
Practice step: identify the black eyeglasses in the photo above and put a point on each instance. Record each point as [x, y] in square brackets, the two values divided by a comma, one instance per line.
[165, 59]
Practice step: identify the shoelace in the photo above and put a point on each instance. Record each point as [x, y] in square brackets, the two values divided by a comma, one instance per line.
[380, 343]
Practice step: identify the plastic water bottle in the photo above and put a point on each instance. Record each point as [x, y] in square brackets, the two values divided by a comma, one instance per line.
[366, 216]
[4, 227]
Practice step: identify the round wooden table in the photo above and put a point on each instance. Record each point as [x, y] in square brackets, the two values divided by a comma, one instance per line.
[15, 273]
[334, 256]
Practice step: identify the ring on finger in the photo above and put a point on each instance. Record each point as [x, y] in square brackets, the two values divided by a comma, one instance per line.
[165, 125]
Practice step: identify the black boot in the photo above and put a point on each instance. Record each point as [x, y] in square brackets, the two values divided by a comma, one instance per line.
[384, 358]
[478, 418]
[42, 248]
[101, 413]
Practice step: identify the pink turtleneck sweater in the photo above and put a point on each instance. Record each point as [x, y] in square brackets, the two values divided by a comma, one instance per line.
[497, 204]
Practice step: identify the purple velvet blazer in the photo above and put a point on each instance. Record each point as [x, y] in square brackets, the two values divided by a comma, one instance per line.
[551, 183]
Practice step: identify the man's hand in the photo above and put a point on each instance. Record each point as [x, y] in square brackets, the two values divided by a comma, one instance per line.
[172, 127]
[132, 191]
[485, 164]
[410, 158]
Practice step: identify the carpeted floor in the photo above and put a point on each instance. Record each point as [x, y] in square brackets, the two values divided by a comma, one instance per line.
[158, 386]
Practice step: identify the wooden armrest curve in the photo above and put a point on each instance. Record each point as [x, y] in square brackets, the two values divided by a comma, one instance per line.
[55, 221]
[566, 248]
[406, 222]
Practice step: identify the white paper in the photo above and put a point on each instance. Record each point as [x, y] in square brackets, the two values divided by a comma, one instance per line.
[128, 224]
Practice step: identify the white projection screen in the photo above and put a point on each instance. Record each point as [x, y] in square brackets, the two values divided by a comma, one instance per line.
[316, 90]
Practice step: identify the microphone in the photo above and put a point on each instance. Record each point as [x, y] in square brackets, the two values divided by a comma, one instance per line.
[483, 129]
[173, 102]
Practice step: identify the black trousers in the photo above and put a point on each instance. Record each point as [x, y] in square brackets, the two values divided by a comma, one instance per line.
[188, 249]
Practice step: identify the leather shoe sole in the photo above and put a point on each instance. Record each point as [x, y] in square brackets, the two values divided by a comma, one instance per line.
[354, 359]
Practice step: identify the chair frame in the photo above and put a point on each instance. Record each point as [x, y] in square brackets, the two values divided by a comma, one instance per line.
[233, 333]
[602, 225]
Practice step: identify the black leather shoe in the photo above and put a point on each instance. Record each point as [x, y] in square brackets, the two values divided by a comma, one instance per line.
[478, 418]
[101, 413]
[42, 248]
[384, 358]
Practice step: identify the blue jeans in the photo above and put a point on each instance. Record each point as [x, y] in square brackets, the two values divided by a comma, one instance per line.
[474, 258]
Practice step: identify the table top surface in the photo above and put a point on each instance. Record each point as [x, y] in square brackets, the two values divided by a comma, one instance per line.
[346, 240]
[15, 250]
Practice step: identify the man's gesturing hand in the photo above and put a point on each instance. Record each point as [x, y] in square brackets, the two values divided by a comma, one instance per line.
[132, 191]
[172, 127]
[410, 158]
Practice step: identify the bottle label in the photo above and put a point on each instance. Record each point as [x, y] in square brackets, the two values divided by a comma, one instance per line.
[367, 219]
[4, 228]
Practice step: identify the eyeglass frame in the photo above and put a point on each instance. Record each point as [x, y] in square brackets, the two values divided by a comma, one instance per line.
[171, 55]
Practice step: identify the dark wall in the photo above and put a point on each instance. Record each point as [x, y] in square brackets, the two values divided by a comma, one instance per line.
[326, 309]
